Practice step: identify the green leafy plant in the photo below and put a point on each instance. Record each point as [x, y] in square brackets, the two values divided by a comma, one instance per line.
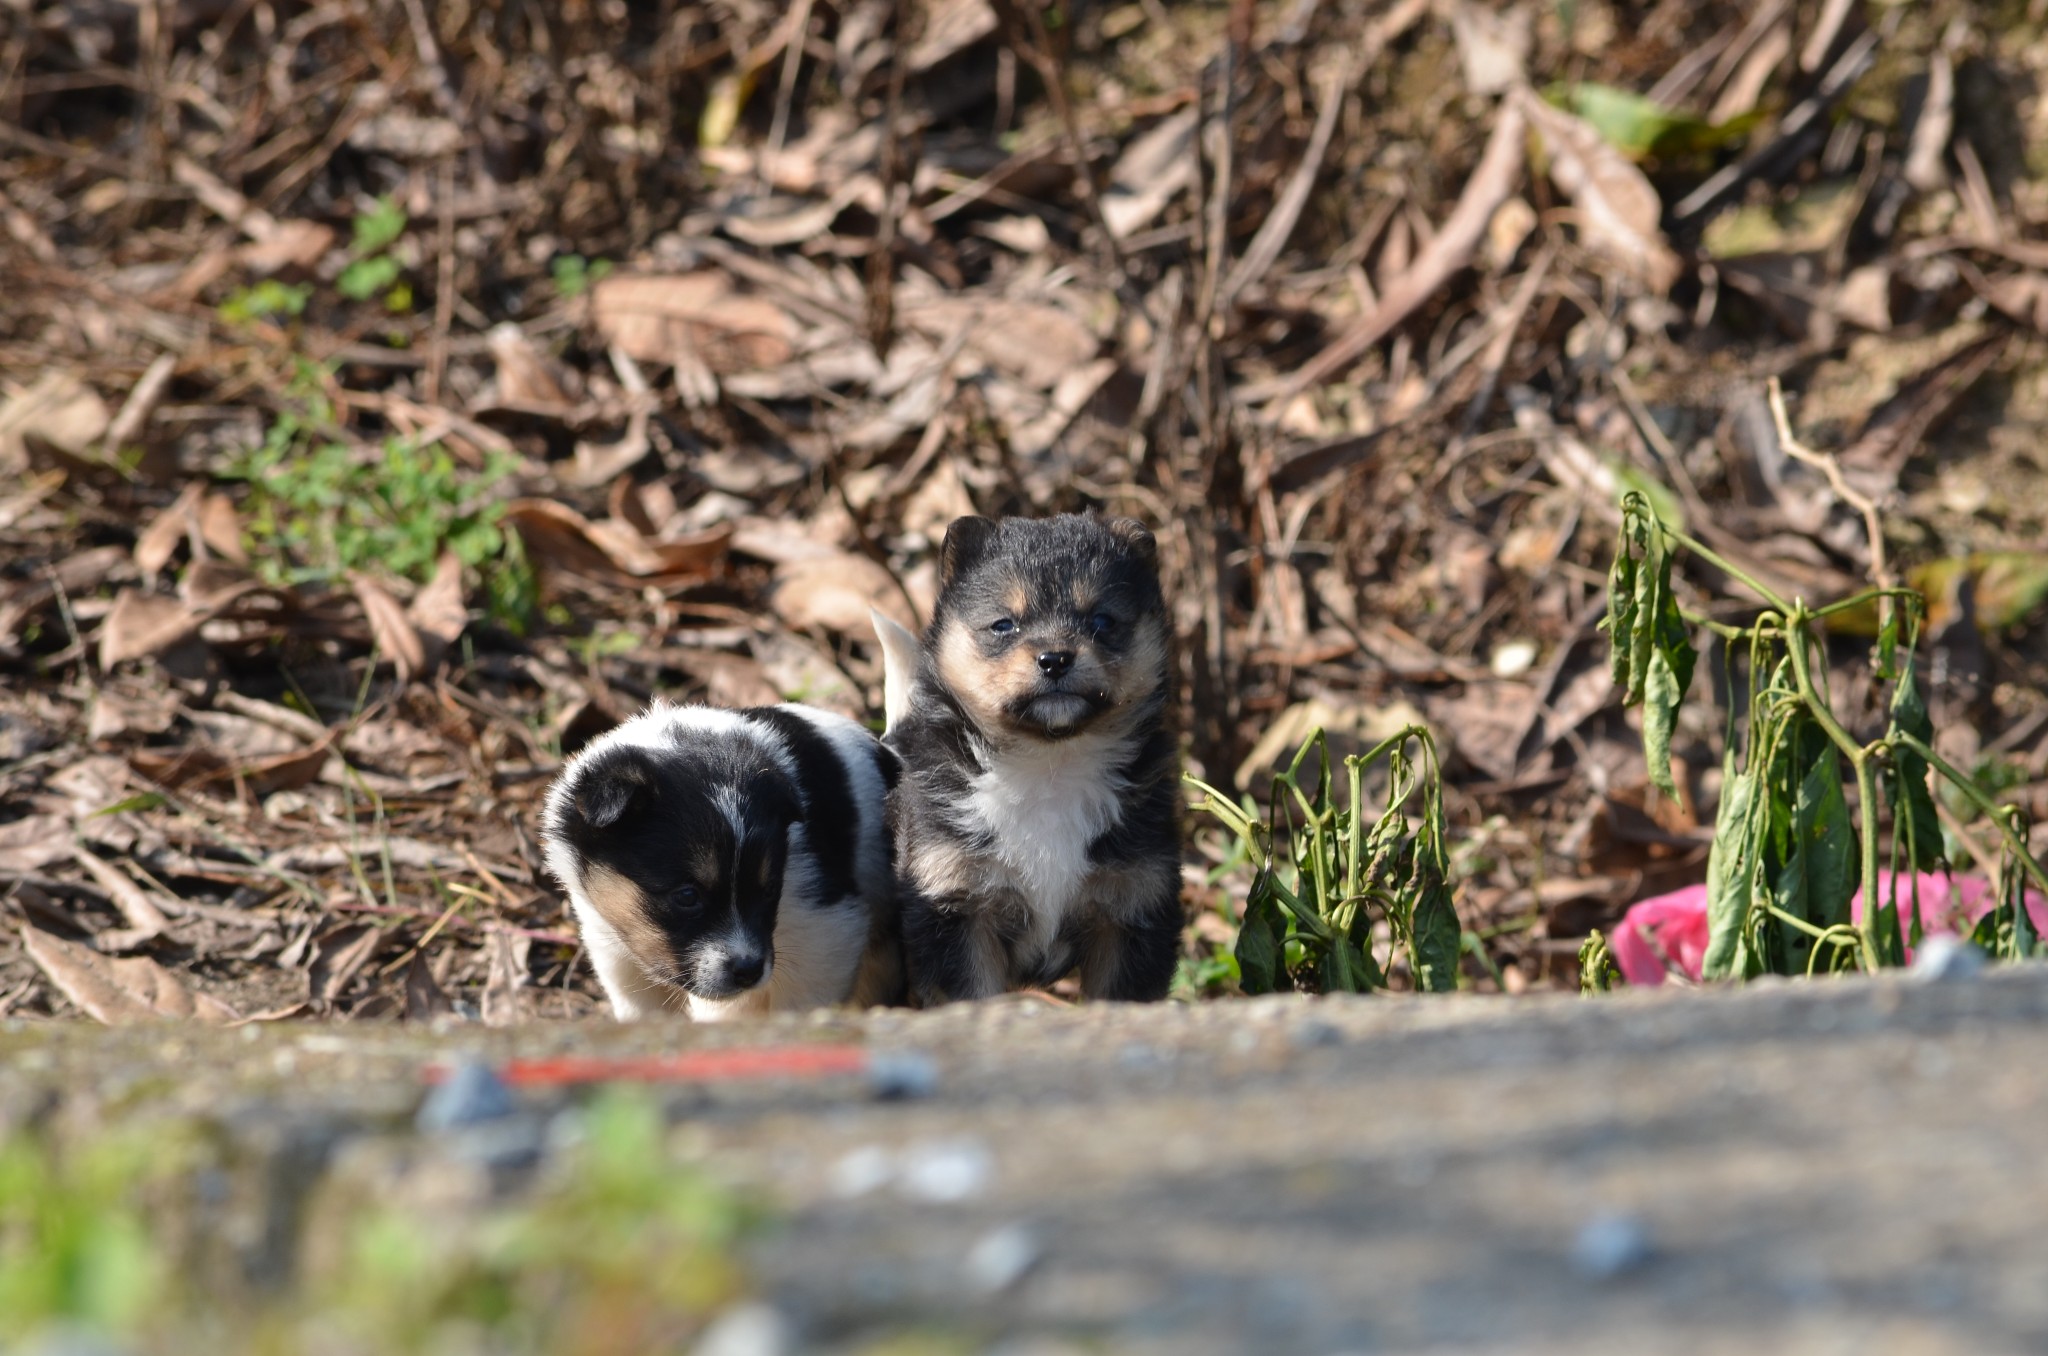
[574, 275]
[372, 269]
[266, 300]
[319, 507]
[1326, 879]
[1788, 856]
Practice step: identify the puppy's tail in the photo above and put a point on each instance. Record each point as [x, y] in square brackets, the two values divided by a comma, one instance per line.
[899, 666]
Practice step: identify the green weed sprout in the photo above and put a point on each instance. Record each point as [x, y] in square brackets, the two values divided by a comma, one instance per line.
[319, 508]
[1788, 858]
[373, 269]
[1324, 877]
[574, 275]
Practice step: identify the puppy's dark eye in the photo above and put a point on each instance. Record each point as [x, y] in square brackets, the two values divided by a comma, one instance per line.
[684, 899]
[1003, 627]
[1101, 624]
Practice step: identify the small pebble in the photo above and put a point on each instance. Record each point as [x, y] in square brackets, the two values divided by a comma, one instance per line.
[902, 1075]
[1313, 1034]
[751, 1329]
[1611, 1245]
[946, 1171]
[861, 1171]
[1944, 957]
[1000, 1258]
[472, 1094]
[504, 1143]
[68, 1341]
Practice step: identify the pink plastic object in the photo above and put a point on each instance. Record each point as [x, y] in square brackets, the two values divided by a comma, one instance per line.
[1671, 930]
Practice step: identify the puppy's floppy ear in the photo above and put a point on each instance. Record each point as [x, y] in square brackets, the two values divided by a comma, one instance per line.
[1137, 536]
[967, 540]
[772, 796]
[613, 781]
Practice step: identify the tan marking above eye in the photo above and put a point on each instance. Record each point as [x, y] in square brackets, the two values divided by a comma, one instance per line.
[1017, 601]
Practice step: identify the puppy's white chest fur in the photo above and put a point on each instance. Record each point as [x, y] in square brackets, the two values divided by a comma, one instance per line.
[1043, 805]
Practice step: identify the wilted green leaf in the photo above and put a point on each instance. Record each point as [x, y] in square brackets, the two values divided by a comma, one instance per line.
[1434, 934]
[1913, 812]
[1259, 940]
[1820, 871]
[1620, 621]
[1653, 658]
[1662, 694]
[1639, 128]
[1731, 867]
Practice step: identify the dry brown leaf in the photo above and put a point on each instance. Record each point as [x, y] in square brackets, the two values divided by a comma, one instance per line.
[525, 382]
[220, 527]
[1618, 209]
[1036, 341]
[207, 586]
[437, 612]
[665, 320]
[390, 629]
[59, 410]
[1156, 165]
[145, 919]
[155, 544]
[33, 842]
[2021, 296]
[338, 954]
[144, 624]
[424, 998]
[290, 244]
[502, 1003]
[950, 26]
[560, 536]
[118, 992]
[835, 593]
[1493, 48]
[597, 464]
[132, 709]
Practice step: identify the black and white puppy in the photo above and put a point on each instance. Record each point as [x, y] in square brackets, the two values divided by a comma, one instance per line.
[730, 862]
[1037, 819]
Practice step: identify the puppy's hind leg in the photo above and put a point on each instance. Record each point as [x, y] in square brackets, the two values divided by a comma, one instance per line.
[1132, 958]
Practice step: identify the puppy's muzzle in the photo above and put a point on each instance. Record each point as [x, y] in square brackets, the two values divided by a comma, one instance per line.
[729, 975]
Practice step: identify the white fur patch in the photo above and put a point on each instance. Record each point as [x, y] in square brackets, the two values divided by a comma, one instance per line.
[1044, 804]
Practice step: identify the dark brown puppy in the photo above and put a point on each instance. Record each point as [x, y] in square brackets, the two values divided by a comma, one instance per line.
[1036, 821]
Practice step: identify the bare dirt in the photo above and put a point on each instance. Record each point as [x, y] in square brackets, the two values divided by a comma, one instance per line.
[1835, 1166]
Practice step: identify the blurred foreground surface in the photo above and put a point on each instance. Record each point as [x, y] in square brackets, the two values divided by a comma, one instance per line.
[1833, 1166]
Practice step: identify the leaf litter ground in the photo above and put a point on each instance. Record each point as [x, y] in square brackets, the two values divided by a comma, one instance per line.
[392, 397]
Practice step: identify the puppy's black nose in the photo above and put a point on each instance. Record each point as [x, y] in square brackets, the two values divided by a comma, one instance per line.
[1054, 663]
[745, 972]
